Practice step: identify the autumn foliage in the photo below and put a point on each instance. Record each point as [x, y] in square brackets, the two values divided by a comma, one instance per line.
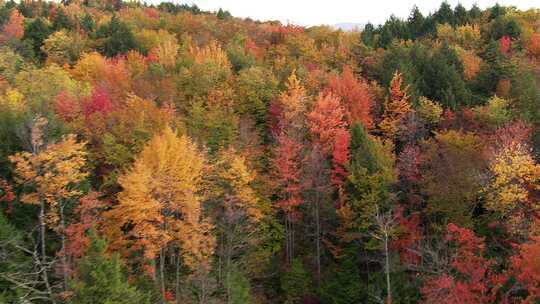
[162, 153]
[354, 95]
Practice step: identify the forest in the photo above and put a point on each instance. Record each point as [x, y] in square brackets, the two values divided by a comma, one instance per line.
[164, 154]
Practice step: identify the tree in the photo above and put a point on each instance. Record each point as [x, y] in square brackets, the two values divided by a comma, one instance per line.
[116, 137]
[524, 267]
[89, 213]
[286, 162]
[61, 21]
[236, 212]
[325, 120]
[471, 64]
[416, 23]
[495, 113]
[103, 280]
[396, 108]
[18, 278]
[534, 45]
[444, 14]
[256, 86]
[51, 174]
[460, 15]
[118, 37]
[514, 174]
[35, 33]
[340, 161]
[371, 200]
[354, 96]
[13, 29]
[448, 181]
[64, 47]
[443, 78]
[471, 279]
[295, 282]
[162, 204]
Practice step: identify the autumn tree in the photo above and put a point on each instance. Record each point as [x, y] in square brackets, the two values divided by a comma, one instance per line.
[325, 122]
[534, 45]
[396, 108]
[514, 174]
[470, 279]
[161, 203]
[236, 211]
[50, 174]
[448, 181]
[524, 267]
[287, 155]
[354, 95]
[340, 162]
[88, 216]
[117, 134]
[14, 28]
[64, 47]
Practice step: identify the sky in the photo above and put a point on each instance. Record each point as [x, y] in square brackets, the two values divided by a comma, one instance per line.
[316, 12]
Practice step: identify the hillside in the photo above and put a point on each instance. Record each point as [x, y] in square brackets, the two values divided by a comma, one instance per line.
[166, 154]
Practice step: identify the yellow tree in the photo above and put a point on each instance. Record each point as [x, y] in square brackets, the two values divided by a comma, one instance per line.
[514, 175]
[237, 210]
[161, 205]
[50, 174]
[396, 108]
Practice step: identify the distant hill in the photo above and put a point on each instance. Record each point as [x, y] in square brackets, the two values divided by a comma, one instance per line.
[348, 26]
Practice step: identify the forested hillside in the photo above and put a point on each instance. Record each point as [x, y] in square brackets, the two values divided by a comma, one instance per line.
[165, 154]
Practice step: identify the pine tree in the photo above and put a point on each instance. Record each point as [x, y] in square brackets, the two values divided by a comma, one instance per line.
[103, 280]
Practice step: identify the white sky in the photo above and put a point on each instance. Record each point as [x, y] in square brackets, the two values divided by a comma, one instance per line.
[314, 12]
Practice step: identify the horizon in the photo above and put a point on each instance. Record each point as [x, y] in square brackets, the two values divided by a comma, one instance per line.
[315, 13]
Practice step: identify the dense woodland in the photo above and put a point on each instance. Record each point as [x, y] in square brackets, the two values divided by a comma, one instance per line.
[165, 154]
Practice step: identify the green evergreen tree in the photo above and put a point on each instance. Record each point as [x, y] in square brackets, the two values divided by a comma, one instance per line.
[88, 24]
[367, 34]
[343, 286]
[461, 15]
[475, 13]
[416, 23]
[103, 280]
[240, 289]
[118, 37]
[443, 78]
[222, 14]
[61, 21]
[14, 264]
[35, 33]
[295, 283]
[445, 14]
[496, 11]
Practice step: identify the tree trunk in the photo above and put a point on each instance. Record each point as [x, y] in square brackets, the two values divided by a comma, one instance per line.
[287, 240]
[63, 250]
[42, 230]
[318, 241]
[387, 269]
[178, 279]
[162, 272]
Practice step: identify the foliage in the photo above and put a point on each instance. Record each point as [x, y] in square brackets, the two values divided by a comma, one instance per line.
[163, 186]
[230, 160]
[103, 279]
[295, 283]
